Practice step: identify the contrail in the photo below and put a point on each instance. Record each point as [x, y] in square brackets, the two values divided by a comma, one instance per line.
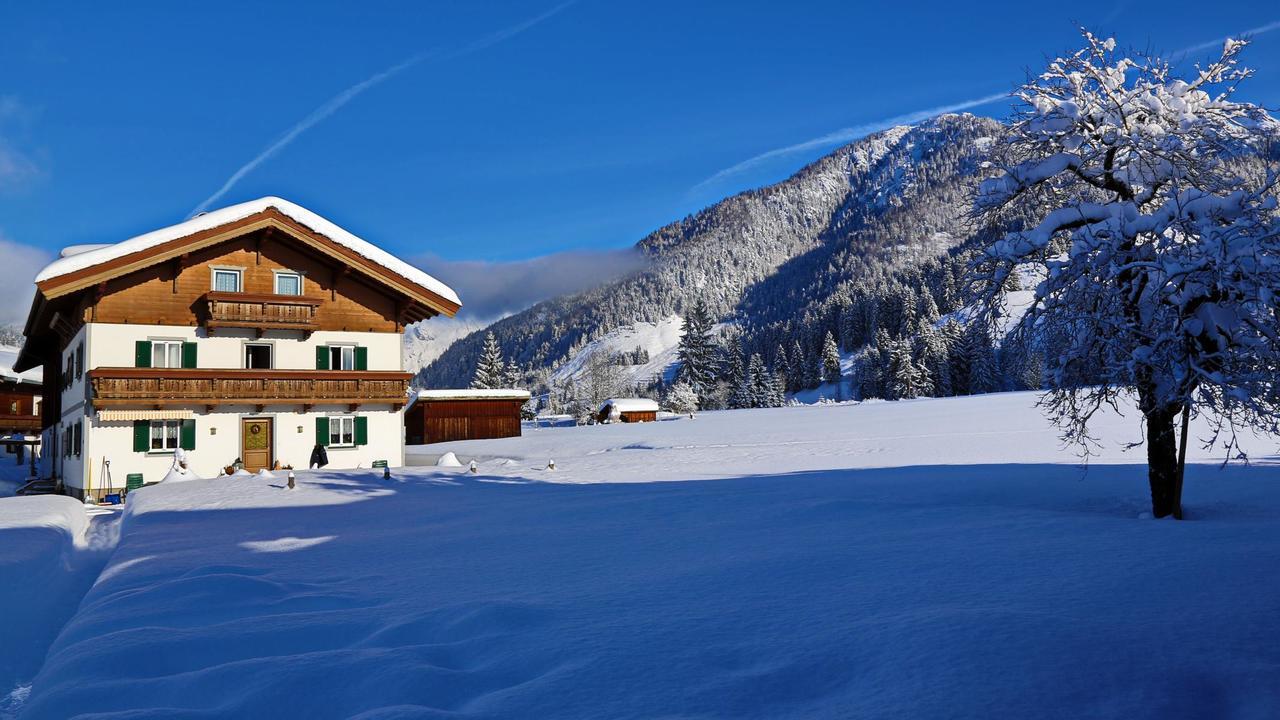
[1180, 54]
[337, 101]
[845, 135]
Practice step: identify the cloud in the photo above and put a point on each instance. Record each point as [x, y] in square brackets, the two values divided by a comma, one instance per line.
[21, 262]
[845, 135]
[338, 101]
[1217, 44]
[16, 169]
[493, 289]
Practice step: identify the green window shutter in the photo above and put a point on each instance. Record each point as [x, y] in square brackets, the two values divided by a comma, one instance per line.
[187, 435]
[188, 355]
[141, 435]
[322, 431]
[362, 430]
[362, 358]
[322, 359]
[142, 353]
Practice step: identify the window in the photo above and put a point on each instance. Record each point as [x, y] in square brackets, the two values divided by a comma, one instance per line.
[226, 280]
[164, 435]
[288, 283]
[257, 357]
[342, 431]
[78, 436]
[166, 353]
[342, 357]
[80, 360]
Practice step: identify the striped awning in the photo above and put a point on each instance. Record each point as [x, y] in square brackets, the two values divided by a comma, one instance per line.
[131, 415]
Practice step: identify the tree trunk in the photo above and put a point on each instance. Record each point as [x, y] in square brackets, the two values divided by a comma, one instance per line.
[1162, 460]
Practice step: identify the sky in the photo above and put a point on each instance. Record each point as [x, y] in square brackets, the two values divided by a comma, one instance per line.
[488, 138]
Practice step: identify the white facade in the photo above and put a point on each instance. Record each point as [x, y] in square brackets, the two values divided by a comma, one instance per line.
[79, 459]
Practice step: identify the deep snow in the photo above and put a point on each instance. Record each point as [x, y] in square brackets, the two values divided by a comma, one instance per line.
[940, 558]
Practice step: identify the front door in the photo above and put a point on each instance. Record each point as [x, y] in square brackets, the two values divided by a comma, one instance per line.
[255, 439]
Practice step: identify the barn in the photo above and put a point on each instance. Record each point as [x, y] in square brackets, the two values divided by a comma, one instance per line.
[628, 410]
[442, 415]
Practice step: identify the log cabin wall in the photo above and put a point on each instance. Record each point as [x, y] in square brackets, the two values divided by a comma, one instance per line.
[446, 420]
[171, 293]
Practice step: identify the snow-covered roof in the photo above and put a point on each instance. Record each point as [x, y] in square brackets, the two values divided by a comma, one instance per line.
[470, 394]
[8, 356]
[631, 404]
[83, 257]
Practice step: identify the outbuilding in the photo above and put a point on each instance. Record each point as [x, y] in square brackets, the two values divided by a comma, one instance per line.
[442, 415]
[628, 410]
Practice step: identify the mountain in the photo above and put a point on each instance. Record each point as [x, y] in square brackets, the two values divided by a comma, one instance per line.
[764, 259]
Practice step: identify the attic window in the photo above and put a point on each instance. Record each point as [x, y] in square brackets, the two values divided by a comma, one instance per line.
[226, 280]
[288, 283]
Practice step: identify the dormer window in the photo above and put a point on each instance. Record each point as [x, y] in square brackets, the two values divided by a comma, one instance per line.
[288, 282]
[227, 279]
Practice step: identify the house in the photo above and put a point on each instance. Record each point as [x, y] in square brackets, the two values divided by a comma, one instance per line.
[19, 407]
[252, 333]
[443, 415]
[627, 410]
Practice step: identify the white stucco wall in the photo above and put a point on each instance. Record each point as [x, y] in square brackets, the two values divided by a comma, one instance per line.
[218, 442]
[112, 345]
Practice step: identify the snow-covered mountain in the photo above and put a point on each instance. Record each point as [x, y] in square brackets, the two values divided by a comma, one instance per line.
[766, 258]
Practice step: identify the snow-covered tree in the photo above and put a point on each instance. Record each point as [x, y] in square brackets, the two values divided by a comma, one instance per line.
[491, 371]
[1156, 233]
[697, 350]
[830, 360]
[906, 379]
[681, 398]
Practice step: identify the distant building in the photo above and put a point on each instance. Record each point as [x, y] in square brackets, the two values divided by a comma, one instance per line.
[443, 415]
[628, 410]
[19, 408]
[250, 333]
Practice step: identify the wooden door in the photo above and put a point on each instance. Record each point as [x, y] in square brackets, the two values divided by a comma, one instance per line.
[255, 443]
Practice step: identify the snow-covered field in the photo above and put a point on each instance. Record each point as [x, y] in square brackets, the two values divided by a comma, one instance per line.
[936, 558]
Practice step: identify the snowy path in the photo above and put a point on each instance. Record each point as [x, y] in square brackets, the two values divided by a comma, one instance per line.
[831, 564]
[51, 551]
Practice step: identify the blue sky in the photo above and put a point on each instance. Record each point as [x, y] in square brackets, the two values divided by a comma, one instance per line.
[583, 131]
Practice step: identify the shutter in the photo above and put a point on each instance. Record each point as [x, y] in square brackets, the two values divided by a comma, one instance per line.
[141, 435]
[187, 434]
[142, 353]
[362, 430]
[322, 431]
[362, 358]
[79, 436]
[322, 357]
[188, 355]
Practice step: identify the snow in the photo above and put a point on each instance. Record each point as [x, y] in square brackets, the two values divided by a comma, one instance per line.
[931, 558]
[48, 559]
[630, 405]
[448, 459]
[91, 257]
[8, 356]
[470, 394]
[661, 340]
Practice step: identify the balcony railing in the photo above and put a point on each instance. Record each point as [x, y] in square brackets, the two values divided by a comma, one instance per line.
[260, 312]
[20, 424]
[165, 386]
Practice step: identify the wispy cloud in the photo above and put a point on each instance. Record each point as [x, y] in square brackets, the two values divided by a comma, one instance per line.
[845, 135]
[338, 101]
[21, 263]
[1217, 44]
[17, 169]
[492, 289]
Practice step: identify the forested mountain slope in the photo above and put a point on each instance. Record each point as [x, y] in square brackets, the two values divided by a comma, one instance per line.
[767, 258]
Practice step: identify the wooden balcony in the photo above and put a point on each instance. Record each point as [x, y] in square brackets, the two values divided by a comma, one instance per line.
[260, 312]
[155, 387]
[29, 424]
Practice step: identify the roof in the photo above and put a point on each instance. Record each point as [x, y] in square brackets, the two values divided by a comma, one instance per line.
[631, 404]
[469, 394]
[84, 258]
[9, 356]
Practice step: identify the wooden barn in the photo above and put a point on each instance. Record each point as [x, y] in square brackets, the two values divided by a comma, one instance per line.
[628, 410]
[442, 415]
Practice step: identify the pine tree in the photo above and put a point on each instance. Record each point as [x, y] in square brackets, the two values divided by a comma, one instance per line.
[697, 351]
[782, 367]
[490, 369]
[906, 379]
[830, 360]
[681, 398]
[758, 382]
